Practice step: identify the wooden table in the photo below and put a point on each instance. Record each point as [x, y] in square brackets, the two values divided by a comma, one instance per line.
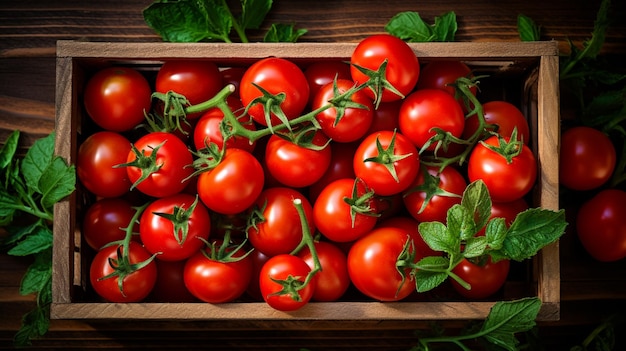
[28, 33]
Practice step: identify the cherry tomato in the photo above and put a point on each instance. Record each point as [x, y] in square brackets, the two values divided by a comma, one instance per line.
[587, 158]
[105, 221]
[97, 156]
[372, 265]
[321, 73]
[485, 279]
[258, 260]
[333, 280]
[440, 74]
[275, 75]
[601, 226]
[340, 167]
[136, 286]
[280, 267]
[505, 116]
[410, 226]
[426, 109]
[116, 98]
[402, 70]
[385, 117]
[179, 236]
[170, 283]
[232, 75]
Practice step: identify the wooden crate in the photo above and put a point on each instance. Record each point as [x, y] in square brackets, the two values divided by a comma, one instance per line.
[527, 72]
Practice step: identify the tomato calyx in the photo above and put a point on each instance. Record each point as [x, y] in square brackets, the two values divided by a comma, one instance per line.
[386, 157]
[378, 82]
[405, 261]
[180, 220]
[208, 157]
[271, 105]
[509, 148]
[147, 164]
[343, 101]
[225, 250]
[360, 204]
[430, 187]
[304, 137]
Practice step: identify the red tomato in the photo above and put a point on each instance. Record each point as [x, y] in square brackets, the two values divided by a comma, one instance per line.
[179, 236]
[333, 280]
[232, 75]
[172, 160]
[505, 181]
[507, 210]
[170, 283]
[505, 116]
[275, 75]
[234, 184]
[485, 279]
[376, 174]
[354, 122]
[340, 167]
[432, 193]
[197, 80]
[215, 281]
[105, 221]
[294, 165]
[441, 74]
[136, 286]
[587, 159]
[280, 229]
[385, 117]
[97, 156]
[601, 226]
[116, 98]
[280, 267]
[338, 213]
[321, 73]
[410, 226]
[258, 260]
[402, 64]
[372, 265]
[426, 109]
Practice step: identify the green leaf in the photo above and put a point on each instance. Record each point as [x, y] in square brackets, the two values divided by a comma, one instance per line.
[38, 274]
[432, 274]
[37, 158]
[58, 181]
[509, 318]
[34, 324]
[16, 233]
[283, 33]
[437, 237]
[7, 207]
[593, 45]
[445, 27]
[532, 230]
[253, 13]
[7, 153]
[527, 29]
[37, 241]
[477, 200]
[475, 247]
[460, 222]
[495, 232]
[409, 26]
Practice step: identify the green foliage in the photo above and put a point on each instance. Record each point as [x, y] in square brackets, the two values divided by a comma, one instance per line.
[410, 27]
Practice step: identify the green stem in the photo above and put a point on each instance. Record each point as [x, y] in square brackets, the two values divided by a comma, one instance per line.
[240, 31]
[307, 240]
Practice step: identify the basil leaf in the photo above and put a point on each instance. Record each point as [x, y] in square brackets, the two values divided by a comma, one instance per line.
[38, 274]
[39, 240]
[531, 231]
[527, 29]
[509, 318]
[477, 200]
[445, 27]
[409, 26]
[37, 158]
[57, 182]
[283, 33]
[253, 13]
[8, 149]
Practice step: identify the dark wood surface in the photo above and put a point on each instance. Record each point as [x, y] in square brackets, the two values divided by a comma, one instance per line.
[28, 32]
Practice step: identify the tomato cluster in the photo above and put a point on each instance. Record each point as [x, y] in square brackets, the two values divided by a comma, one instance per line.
[202, 189]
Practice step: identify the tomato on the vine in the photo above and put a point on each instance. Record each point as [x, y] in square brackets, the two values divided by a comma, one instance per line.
[333, 280]
[411, 226]
[105, 221]
[340, 166]
[321, 73]
[441, 74]
[385, 117]
[507, 210]
[485, 278]
[505, 116]
[285, 267]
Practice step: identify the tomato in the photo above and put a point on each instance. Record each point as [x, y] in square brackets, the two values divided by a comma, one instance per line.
[105, 221]
[234, 184]
[507, 210]
[339, 214]
[432, 193]
[353, 123]
[136, 286]
[372, 265]
[505, 181]
[485, 279]
[587, 158]
[275, 75]
[426, 109]
[340, 167]
[116, 98]
[385, 117]
[207, 129]
[258, 260]
[333, 280]
[400, 155]
[197, 80]
[402, 70]
[505, 116]
[440, 74]
[280, 267]
[410, 226]
[170, 283]
[321, 73]
[216, 281]
[97, 156]
[279, 229]
[170, 228]
[172, 160]
[294, 165]
[601, 226]
[233, 75]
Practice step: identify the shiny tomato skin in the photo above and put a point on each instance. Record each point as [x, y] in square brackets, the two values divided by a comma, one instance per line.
[214, 281]
[333, 217]
[158, 235]
[105, 220]
[403, 67]
[137, 285]
[451, 181]
[505, 182]
[97, 156]
[234, 184]
[233, 75]
[485, 280]
[321, 73]
[587, 158]
[385, 117]
[296, 166]
[174, 158]
[372, 265]
[426, 109]
[503, 114]
[333, 280]
[410, 226]
[440, 74]
[280, 267]
[340, 167]
[281, 231]
[376, 175]
[601, 227]
[116, 98]
[276, 75]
